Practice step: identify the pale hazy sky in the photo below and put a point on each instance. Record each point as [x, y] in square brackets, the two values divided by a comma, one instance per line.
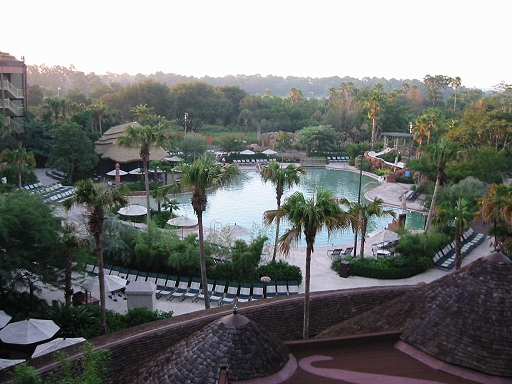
[357, 38]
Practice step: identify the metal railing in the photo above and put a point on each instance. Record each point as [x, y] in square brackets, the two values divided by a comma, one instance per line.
[9, 105]
[9, 87]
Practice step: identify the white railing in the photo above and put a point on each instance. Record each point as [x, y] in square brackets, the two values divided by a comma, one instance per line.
[8, 104]
[15, 92]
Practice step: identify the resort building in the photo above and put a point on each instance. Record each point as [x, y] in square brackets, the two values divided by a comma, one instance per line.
[13, 88]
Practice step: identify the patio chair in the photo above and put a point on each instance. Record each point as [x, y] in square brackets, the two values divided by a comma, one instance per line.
[257, 291]
[142, 276]
[245, 293]
[161, 280]
[293, 287]
[200, 295]
[152, 277]
[167, 289]
[348, 251]
[180, 290]
[231, 294]
[271, 290]
[282, 288]
[334, 253]
[114, 270]
[218, 292]
[193, 290]
[132, 275]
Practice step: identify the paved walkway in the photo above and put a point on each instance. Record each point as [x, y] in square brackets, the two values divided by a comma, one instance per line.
[323, 278]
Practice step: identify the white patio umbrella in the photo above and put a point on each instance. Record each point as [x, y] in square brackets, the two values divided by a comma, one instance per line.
[113, 172]
[136, 171]
[4, 318]
[238, 231]
[112, 283]
[269, 152]
[382, 235]
[182, 221]
[55, 345]
[133, 210]
[247, 152]
[28, 331]
[175, 159]
[4, 363]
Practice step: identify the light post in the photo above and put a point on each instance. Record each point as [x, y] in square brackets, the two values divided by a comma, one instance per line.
[410, 141]
[185, 120]
[359, 197]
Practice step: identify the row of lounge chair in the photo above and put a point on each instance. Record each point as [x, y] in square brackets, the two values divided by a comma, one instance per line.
[445, 256]
[57, 175]
[251, 161]
[55, 192]
[338, 158]
[171, 287]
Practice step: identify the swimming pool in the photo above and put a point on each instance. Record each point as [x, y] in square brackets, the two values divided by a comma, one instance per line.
[247, 197]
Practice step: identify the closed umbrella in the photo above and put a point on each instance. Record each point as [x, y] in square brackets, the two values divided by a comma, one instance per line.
[4, 363]
[4, 318]
[133, 210]
[55, 345]
[28, 331]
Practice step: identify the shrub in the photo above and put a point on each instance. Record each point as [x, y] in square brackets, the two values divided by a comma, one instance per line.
[280, 270]
[117, 322]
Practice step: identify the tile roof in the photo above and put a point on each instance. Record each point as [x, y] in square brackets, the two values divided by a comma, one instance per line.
[232, 342]
[464, 318]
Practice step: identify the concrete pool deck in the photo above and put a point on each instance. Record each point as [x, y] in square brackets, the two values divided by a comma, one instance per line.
[323, 278]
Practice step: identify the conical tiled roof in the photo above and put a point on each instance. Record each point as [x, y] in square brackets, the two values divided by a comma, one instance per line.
[464, 318]
[232, 342]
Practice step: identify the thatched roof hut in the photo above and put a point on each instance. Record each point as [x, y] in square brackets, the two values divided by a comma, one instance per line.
[108, 149]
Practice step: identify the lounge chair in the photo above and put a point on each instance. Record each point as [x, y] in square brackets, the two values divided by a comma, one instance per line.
[245, 293]
[271, 290]
[161, 280]
[180, 290]
[132, 275]
[334, 253]
[293, 287]
[231, 294]
[193, 290]
[257, 291]
[152, 277]
[218, 292]
[200, 295]
[167, 289]
[89, 268]
[282, 288]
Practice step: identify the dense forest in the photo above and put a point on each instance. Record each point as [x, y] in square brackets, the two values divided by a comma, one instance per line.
[53, 78]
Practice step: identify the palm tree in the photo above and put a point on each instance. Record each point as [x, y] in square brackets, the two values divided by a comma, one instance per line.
[144, 137]
[202, 174]
[456, 83]
[18, 158]
[308, 217]
[281, 178]
[70, 241]
[461, 217]
[374, 104]
[496, 208]
[362, 213]
[442, 152]
[97, 200]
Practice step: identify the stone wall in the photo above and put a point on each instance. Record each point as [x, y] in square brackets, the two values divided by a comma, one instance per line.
[282, 316]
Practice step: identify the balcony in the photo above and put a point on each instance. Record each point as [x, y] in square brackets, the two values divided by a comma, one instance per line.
[11, 91]
[10, 109]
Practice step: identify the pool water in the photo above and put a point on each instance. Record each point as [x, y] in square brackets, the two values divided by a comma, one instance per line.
[247, 197]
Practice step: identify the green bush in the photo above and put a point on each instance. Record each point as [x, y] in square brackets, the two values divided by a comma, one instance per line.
[117, 322]
[414, 255]
[280, 270]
